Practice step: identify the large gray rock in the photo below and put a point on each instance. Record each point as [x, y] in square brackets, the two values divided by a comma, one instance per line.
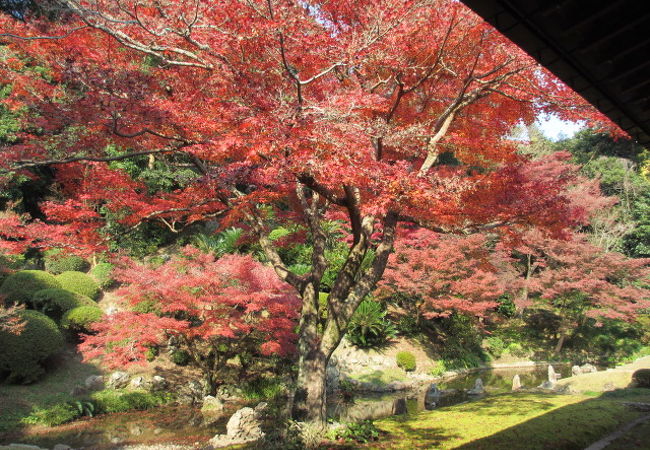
[94, 382]
[137, 382]
[118, 380]
[588, 368]
[20, 447]
[158, 383]
[211, 403]
[243, 427]
[78, 390]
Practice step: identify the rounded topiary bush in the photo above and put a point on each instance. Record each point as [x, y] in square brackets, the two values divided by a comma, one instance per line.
[80, 283]
[22, 355]
[56, 302]
[102, 273]
[180, 357]
[641, 378]
[79, 319]
[21, 286]
[56, 262]
[406, 360]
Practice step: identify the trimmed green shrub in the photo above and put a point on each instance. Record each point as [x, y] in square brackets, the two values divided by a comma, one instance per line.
[180, 357]
[56, 302]
[516, 349]
[369, 327]
[406, 360]
[21, 286]
[54, 415]
[21, 355]
[495, 346]
[641, 378]
[112, 401]
[80, 318]
[151, 353]
[80, 283]
[102, 273]
[56, 262]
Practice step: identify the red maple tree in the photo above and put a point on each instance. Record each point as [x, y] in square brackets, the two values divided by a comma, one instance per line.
[290, 111]
[579, 280]
[447, 273]
[214, 309]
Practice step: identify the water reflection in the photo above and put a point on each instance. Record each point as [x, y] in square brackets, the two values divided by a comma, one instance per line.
[447, 393]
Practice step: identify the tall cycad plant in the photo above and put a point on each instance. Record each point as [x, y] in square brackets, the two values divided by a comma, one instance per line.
[369, 327]
[219, 244]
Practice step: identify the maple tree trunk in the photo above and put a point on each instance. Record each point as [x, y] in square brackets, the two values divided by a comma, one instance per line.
[309, 401]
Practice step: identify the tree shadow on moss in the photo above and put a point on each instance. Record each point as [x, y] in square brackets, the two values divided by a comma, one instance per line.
[574, 426]
[17, 401]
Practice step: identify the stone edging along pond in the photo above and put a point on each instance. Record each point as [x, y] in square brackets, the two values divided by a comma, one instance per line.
[419, 380]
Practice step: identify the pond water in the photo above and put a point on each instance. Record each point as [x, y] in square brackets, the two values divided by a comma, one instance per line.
[187, 426]
[495, 381]
[181, 425]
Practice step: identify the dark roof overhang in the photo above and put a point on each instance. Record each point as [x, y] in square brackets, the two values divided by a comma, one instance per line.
[601, 48]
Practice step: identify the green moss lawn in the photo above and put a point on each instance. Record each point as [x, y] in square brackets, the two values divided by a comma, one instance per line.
[510, 421]
[17, 401]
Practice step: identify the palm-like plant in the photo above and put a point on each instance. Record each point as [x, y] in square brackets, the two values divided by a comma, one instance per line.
[369, 327]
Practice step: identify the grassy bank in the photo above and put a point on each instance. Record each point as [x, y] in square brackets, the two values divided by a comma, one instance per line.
[523, 420]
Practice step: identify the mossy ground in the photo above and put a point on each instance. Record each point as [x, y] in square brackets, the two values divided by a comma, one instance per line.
[525, 420]
[17, 401]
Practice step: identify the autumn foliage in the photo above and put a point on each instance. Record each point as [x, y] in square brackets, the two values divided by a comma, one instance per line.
[212, 308]
[377, 112]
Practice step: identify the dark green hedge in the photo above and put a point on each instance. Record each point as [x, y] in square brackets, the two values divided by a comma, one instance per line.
[56, 302]
[80, 318]
[22, 355]
[21, 286]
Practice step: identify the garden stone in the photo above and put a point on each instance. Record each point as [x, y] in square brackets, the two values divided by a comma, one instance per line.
[137, 383]
[552, 376]
[575, 370]
[588, 368]
[432, 395]
[62, 447]
[94, 382]
[211, 403]
[20, 447]
[478, 388]
[243, 427]
[158, 383]
[118, 380]
[78, 390]
[516, 382]
[332, 376]
[548, 385]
